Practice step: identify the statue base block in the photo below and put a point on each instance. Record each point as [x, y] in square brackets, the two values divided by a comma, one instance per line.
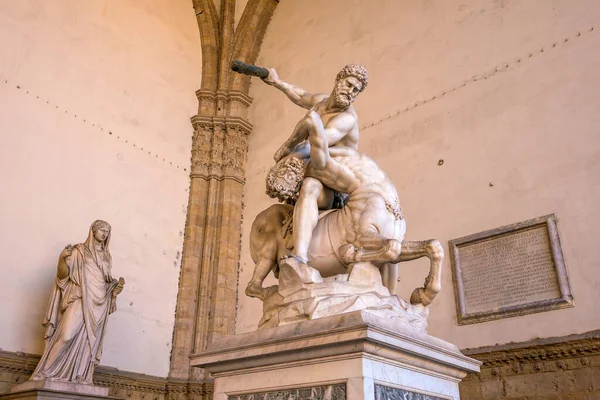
[356, 355]
[52, 390]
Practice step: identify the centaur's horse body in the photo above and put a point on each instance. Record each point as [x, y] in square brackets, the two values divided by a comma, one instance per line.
[335, 230]
[324, 254]
[369, 228]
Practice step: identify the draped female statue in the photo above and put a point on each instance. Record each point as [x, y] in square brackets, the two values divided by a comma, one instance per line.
[84, 295]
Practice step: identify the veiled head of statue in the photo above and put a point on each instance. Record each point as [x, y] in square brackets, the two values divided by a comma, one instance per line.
[101, 230]
[284, 179]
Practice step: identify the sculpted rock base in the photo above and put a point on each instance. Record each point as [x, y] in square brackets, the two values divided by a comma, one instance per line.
[360, 289]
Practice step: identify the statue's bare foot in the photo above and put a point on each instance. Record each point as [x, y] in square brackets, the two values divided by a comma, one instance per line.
[299, 259]
[302, 271]
[256, 290]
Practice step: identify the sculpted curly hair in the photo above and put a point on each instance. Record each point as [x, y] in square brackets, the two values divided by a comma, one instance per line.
[357, 71]
[286, 192]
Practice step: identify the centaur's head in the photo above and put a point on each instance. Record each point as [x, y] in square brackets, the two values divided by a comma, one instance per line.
[284, 179]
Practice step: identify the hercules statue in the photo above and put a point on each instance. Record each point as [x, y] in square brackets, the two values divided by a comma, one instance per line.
[319, 161]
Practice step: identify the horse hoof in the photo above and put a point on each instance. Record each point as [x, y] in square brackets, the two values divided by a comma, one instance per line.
[270, 291]
[255, 290]
[419, 296]
[347, 252]
[261, 293]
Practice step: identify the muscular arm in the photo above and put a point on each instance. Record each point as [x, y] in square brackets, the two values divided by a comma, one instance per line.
[63, 267]
[320, 156]
[297, 95]
[319, 143]
[338, 128]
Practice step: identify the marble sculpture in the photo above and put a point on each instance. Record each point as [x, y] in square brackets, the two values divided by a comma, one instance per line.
[335, 241]
[84, 295]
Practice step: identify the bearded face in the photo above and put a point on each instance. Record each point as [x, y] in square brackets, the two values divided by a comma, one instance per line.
[346, 90]
[285, 178]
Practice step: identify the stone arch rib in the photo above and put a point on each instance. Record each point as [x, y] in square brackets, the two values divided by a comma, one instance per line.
[248, 38]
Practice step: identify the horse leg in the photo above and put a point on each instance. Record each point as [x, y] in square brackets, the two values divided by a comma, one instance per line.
[389, 277]
[373, 247]
[254, 288]
[376, 248]
[264, 247]
[432, 249]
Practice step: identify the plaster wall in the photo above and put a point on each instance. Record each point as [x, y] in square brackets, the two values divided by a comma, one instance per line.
[516, 100]
[95, 100]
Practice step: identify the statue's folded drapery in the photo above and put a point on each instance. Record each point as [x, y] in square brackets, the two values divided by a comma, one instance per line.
[76, 317]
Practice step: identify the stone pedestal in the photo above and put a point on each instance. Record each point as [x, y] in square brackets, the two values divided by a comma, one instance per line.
[351, 356]
[51, 390]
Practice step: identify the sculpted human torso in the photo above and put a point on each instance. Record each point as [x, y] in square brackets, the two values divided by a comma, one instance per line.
[353, 170]
[341, 127]
[346, 170]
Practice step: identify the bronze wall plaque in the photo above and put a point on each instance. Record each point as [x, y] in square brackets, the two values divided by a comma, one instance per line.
[509, 271]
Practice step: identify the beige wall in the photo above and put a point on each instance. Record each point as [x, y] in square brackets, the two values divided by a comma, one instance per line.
[531, 129]
[130, 67]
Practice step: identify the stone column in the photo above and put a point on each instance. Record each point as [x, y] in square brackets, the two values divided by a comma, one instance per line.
[207, 298]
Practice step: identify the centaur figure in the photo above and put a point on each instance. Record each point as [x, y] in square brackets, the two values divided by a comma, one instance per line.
[370, 227]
